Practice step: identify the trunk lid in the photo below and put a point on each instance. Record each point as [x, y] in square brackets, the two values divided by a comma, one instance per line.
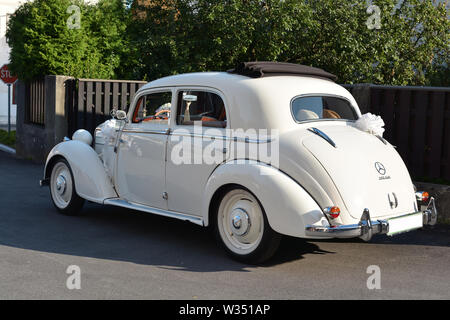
[366, 172]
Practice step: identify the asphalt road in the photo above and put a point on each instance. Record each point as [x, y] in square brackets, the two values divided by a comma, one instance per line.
[123, 254]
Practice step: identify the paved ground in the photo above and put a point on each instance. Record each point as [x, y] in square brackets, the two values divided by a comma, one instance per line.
[124, 254]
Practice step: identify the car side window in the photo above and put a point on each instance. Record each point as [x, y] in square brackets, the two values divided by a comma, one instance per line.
[154, 107]
[204, 106]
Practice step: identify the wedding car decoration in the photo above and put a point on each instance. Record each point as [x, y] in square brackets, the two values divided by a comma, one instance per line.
[263, 150]
[370, 123]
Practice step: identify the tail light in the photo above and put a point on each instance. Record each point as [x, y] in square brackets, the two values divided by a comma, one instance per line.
[422, 196]
[332, 212]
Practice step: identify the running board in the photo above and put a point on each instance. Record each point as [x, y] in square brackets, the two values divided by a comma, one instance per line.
[171, 214]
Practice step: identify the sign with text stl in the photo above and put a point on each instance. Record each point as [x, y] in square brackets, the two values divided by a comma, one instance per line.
[6, 75]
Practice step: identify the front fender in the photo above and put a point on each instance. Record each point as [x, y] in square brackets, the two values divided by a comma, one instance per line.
[288, 207]
[91, 180]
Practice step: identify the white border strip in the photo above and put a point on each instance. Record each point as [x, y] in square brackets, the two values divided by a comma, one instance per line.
[7, 149]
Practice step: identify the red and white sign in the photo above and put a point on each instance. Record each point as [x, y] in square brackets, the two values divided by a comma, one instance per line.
[6, 75]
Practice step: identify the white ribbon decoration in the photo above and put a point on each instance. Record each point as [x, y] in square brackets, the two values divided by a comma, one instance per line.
[370, 123]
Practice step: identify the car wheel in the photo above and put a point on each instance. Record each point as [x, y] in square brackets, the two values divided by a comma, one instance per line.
[241, 226]
[62, 189]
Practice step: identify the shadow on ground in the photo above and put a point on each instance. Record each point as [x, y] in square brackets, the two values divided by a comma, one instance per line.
[106, 232]
[29, 221]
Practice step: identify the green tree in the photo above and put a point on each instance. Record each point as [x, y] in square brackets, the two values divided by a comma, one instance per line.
[44, 41]
[108, 26]
[410, 46]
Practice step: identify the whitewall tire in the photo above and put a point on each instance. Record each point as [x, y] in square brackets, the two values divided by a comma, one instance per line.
[242, 228]
[62, 189]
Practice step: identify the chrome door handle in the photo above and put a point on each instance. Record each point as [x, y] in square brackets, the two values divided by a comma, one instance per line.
[223, 150]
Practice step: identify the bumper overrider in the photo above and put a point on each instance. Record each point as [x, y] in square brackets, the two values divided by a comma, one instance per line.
[367, 227]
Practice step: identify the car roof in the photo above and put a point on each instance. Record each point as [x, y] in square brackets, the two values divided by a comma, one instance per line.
[225, 81]
[195, 78]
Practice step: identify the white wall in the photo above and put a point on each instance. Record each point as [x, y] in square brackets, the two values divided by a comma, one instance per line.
[6, 7]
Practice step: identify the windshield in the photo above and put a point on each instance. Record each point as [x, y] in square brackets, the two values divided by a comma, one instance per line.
[322, 107]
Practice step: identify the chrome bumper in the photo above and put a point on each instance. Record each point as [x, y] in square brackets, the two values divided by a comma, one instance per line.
[366, 227]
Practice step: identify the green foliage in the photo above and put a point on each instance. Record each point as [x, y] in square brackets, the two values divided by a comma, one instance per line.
[8, 139]
[42, 43]
[410, 48]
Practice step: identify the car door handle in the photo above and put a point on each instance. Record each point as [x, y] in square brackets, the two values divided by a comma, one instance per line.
[223, 150]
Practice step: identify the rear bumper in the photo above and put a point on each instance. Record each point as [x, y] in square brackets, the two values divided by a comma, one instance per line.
[367, 227]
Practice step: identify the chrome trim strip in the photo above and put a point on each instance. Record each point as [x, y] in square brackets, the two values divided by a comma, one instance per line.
[161, 212]
[146, 131]
[196, 135]
[381, 139]
[235, 139]
[322, 135]
[349, 230]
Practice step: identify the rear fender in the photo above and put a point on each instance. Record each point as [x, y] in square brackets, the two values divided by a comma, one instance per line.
[288, 207]
[91, 180]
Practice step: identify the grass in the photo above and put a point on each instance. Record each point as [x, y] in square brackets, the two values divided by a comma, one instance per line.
[8, 139]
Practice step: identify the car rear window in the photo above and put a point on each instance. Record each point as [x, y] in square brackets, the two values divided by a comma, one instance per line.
[322, 107]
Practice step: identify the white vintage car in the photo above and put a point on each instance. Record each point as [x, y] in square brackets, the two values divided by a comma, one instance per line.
[260, 151]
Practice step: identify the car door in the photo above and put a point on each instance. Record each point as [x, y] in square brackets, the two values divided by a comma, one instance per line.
[197, 144]
[142, 150]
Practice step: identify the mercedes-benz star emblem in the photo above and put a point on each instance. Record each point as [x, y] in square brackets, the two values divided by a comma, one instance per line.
[380, 168]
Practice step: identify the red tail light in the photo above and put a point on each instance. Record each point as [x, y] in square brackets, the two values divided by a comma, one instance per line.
[332, 212]
[422, 196]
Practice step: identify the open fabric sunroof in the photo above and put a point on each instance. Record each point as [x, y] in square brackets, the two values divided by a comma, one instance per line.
[260, 69]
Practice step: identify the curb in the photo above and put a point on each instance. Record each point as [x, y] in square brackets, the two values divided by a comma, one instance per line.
[7, 149]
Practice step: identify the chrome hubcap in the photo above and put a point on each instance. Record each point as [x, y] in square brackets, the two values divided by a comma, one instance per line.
[60, 184]
[240, 222]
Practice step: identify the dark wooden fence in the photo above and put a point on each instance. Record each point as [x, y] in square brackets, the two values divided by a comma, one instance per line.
[417, 121]
[89, 102]
[35, 102]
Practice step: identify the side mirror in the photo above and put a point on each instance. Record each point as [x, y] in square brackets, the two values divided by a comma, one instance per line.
[121, 115]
